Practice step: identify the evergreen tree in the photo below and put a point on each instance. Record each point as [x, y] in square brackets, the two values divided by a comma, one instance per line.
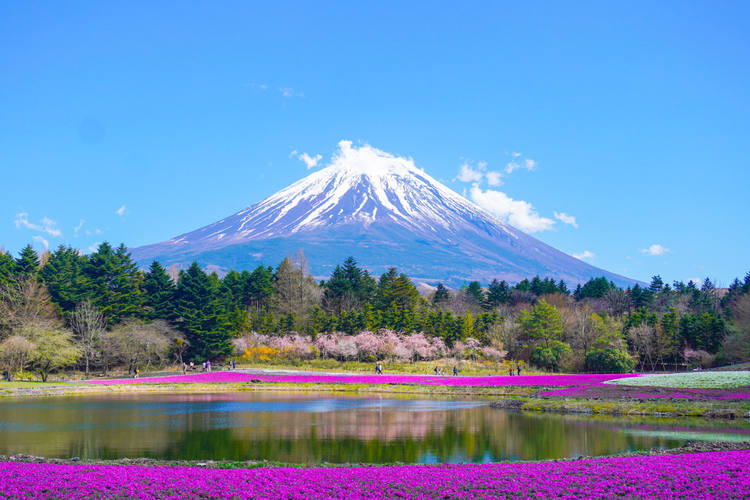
[63, 273]
[27, 262]
[259, 287]
[200, 315]
[7, 267]
[498, 293]
[474, 292]
[115, 283]
[159, 292]
[441, 295]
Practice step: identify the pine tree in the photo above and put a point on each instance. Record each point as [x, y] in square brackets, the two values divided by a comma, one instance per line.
[498, 293]
[7, 267]
[259, 287]
[200, 315]
[159, 292]
[441, 295]
[27, 262]
[63, 273]
[115, 283]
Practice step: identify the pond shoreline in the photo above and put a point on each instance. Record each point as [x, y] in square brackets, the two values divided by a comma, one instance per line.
[688, 448]
[524, 398]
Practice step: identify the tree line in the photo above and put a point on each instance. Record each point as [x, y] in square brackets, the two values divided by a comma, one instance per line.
[100, 311]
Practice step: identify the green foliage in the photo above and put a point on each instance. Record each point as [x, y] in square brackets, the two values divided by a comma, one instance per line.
[7, 267]
[65, 277]
[159, 293]
[54, 349]
[200, 315]
[550, 355]
[498, 293]
[441, 295]
[542, 323]
[27, 262]
[609, 360]
[115, 283]
[594, 288]
[704, 332]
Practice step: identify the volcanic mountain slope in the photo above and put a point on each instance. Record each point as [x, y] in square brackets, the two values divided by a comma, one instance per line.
[385, 212]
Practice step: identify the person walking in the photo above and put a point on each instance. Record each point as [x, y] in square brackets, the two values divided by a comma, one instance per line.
[510, 371]
[208, 366]
[455, 370]
[518, 370]
[234, 365]
[437, 372]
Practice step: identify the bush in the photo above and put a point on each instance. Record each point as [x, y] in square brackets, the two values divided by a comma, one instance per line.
[609, 360]
[549, 356]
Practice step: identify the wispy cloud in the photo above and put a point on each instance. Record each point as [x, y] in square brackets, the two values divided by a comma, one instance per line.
[290, 93]
[566, 219]
[122, 210]
[77, 229]
[584, 255]
[518, 213]
[655, 249]
[494, 178]
[310, 161]
[47, 225]
[93, 247]
[41, 240]
[517, 163]
[467, 173]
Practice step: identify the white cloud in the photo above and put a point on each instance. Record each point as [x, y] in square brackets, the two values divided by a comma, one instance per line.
[494, 178]
[516, 164]
[41, 240]
[310, 161]
[566, 219]
[47, 225]
[518, 213]
[94, 246]
[77, 229]
[467, 173]
[289, 93]
[655, 249]
[584, 255]
[696, 281]
[121, 211]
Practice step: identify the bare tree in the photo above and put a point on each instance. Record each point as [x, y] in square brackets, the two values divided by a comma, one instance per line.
[88, 324]
[25, 302]
[15, 353]
[644, 340]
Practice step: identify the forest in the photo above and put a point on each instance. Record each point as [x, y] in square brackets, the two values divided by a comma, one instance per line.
[64, 310]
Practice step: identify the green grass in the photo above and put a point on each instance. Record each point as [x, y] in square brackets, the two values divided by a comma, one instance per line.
[689, 380]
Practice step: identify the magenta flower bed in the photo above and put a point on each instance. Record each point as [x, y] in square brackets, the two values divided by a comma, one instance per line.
[523, 380]
[700, 475]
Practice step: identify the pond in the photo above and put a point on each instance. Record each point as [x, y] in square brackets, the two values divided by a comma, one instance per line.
[307, 428]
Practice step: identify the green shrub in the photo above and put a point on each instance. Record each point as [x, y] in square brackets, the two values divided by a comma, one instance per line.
[609, 360]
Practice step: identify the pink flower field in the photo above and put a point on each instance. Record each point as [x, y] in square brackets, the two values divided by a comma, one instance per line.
[238, 377]
[700, 475]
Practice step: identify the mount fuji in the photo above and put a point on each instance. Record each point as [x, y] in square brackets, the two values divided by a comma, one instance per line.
[385, 212]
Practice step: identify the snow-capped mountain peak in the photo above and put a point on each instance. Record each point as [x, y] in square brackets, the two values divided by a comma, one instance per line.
[367, 201]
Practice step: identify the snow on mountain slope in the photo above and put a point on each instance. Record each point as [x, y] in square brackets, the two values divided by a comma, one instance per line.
[384, 211]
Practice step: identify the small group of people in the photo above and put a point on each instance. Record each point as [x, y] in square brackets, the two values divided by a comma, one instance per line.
[518, 370]
[439, 371]
[206, 366]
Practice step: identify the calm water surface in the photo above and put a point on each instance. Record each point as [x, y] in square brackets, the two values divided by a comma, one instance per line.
[303, 428]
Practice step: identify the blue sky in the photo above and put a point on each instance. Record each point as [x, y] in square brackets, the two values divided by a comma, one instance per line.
[134, 122]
